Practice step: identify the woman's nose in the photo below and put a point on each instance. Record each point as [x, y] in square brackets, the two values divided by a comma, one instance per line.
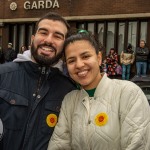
[79, 63]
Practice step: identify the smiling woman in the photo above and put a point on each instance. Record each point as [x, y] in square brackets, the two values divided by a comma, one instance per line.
[83, 63]
[104, 109]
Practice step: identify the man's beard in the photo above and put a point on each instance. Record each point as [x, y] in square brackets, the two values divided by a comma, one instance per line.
[44, 60]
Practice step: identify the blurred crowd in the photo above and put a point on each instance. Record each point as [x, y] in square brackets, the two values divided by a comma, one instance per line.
[125, 65]
[129, 62]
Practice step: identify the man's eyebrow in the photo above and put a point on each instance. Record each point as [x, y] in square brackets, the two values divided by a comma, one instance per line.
[60, 34]
[42, 29]
[57, 32]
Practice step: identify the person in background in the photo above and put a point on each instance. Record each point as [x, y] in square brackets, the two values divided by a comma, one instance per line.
[112, 62]
[31, 90]
[29, 47]
[142, 53]
[127, 58]
[104, 66]
[118, 69]
[1, 55]
[105, 114]
[10, 53]
[22, 49]
[148, 70]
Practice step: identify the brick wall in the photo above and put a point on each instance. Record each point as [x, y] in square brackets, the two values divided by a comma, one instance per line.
[77, 8]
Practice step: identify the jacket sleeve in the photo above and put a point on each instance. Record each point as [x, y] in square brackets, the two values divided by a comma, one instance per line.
[146, 51]
[133, 58]
[61, 138]
[142, 52]
[135, 120]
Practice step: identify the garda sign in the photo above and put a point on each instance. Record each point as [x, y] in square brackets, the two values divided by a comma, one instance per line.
[41, 4]
[1, 129]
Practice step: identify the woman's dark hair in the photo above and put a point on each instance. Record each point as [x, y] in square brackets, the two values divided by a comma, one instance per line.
[82, 36]
[129, 46]
[112, 49]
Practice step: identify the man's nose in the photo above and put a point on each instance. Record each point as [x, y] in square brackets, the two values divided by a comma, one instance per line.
[49, 39]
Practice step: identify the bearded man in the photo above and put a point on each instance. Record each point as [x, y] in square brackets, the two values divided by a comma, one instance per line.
[31, 90]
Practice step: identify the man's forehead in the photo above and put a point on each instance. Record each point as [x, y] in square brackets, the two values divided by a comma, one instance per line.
[50, 23]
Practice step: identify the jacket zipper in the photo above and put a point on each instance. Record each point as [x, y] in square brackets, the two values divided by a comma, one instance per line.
[43, 71]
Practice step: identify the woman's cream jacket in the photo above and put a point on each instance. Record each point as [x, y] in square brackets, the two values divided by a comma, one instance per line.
[116, 118]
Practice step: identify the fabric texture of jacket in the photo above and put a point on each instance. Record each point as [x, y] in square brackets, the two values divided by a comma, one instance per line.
[127, 58]
[116, 118]
[142, 54]
[29, 96]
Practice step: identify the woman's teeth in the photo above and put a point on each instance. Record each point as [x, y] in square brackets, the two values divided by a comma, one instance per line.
[82, 73]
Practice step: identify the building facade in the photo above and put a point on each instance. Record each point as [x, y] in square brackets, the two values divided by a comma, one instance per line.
[115, 23]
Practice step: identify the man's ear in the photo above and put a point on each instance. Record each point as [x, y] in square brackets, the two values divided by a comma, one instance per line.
[99, 58]
[32, 38]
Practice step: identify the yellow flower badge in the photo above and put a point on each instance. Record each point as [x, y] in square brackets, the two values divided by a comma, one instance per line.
[51, 120]
[101, 119]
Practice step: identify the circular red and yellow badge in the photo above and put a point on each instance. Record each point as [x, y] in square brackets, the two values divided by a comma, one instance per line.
[51, 120]
[101, 119]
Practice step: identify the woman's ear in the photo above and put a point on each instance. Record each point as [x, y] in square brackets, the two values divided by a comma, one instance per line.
[99, 56]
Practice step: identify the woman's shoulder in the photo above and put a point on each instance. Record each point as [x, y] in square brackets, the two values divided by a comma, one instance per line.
[73, 95]
[127, 85]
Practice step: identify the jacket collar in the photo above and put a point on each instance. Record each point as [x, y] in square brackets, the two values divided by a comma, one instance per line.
[35, 69]
[101, 89]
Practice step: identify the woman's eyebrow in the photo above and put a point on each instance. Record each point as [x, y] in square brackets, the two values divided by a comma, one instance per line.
[72, 57]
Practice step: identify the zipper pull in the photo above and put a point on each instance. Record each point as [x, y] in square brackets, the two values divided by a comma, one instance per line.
[43, 70]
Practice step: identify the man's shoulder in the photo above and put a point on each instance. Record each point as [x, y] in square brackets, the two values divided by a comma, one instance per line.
[8, 67]
[58, 76]
[66, 79]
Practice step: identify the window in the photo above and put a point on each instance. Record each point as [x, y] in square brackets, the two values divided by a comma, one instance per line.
[81, 26]
[110, 36]
[21, 35]
[121, 34]
[13, 36]
[30, 30]
[132, 34]
[143, 31]
[90, 27]
[101, 33]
